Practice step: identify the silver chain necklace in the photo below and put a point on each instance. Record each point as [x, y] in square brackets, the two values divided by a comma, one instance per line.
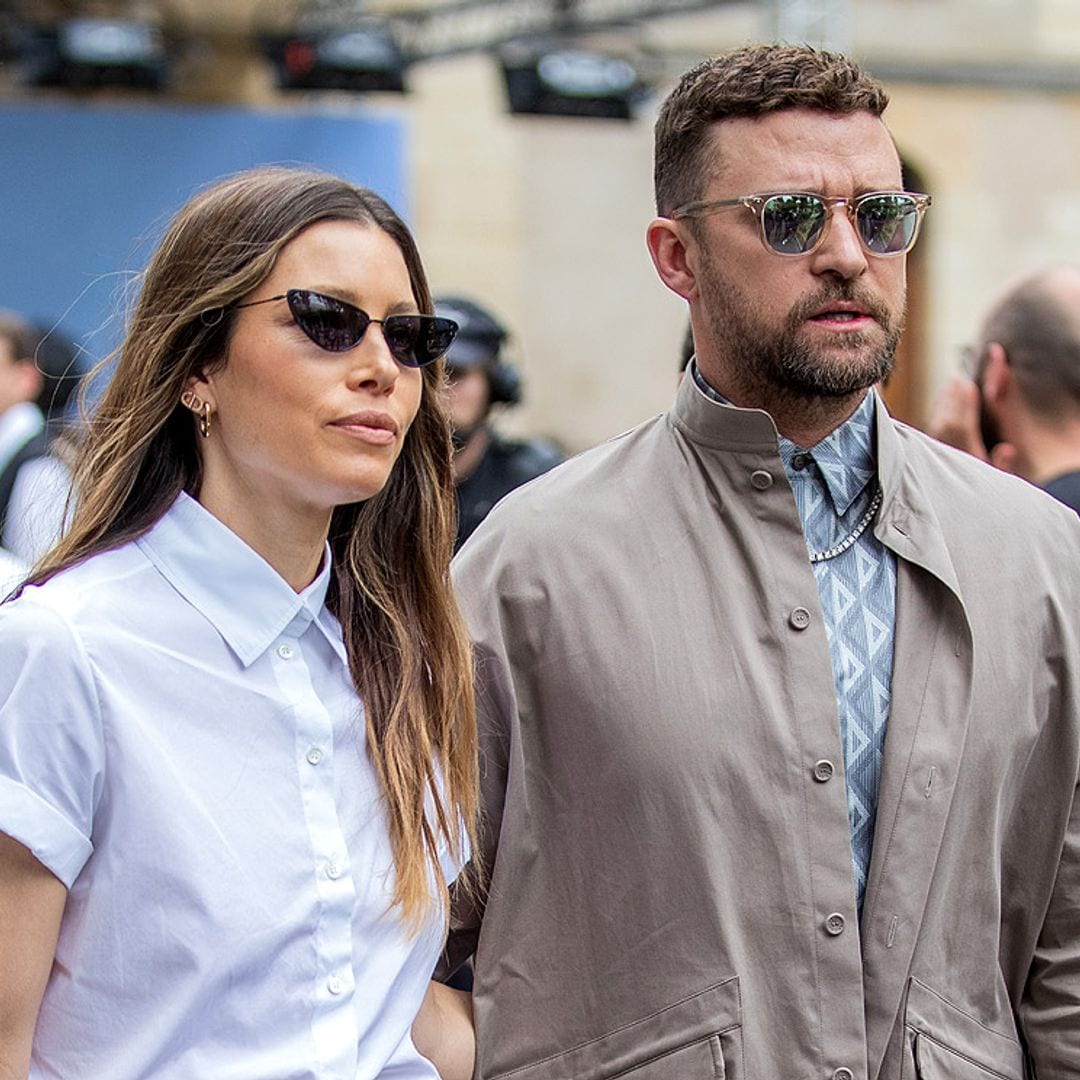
[864, 521]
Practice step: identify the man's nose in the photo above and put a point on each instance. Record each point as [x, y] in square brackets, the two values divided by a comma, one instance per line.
[840, 252]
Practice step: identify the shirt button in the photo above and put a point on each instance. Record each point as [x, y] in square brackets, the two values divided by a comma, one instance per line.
[286, 652]
[761, 479]
[333, 871]
[335, 985]
[843, 1074]
[834, 924]
[800, 461]
[823, 771]
[799, 618]
[314, 756]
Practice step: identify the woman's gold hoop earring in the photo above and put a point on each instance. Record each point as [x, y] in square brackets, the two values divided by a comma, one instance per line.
[191, 401]
[204, 420]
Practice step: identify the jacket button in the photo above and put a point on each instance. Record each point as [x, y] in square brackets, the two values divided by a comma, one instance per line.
[761, 479]
[799, 618]
[834, 924]
[843, 1074]
[823, 771]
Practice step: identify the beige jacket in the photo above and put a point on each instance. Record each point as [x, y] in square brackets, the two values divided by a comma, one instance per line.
[668, 844]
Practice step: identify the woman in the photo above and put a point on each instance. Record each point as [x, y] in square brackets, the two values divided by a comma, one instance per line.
[214, 860]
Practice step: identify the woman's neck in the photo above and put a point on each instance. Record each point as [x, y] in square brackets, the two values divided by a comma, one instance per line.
[292, 542]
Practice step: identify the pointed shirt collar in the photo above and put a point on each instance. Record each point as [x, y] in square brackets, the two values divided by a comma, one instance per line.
[846, 458]
[243, 596]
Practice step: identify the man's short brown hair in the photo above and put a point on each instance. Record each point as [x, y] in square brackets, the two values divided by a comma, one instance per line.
[749, 81]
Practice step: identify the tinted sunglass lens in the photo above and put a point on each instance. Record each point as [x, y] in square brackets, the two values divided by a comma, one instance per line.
[332, 324]
[792, 223]
[416, 340]
[402, 333]
[887, 223]
[438, 336]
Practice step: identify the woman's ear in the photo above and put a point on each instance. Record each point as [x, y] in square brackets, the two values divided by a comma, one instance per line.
[198, 388]
[669, 244]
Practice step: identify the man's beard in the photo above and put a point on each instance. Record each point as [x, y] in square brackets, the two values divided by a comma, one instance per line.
[764, 361]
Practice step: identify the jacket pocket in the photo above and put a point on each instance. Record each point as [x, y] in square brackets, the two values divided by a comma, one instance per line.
[942, 1042]
[698, 1038]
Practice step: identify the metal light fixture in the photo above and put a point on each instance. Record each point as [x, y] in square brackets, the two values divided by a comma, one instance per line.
[88, 53]
[568, 81]
[361, 59]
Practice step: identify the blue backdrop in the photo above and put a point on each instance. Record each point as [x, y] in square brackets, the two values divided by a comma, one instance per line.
[86, 191]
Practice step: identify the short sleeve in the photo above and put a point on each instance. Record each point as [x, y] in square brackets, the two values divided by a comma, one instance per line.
[51, 740]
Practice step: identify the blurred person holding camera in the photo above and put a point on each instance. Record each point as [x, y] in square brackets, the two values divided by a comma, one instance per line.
[1018, 403]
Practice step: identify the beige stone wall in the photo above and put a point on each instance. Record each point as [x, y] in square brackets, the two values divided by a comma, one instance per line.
[543, 220]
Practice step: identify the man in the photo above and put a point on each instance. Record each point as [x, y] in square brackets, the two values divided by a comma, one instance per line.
[487, 464]
[22, 426]
[37, 377]
[1021, 408]
[779, 767]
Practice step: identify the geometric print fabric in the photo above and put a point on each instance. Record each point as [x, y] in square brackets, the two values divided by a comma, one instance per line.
[834, 483]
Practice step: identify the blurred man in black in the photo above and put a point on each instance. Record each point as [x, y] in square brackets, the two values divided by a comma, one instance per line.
[1018, 407]
[487, 465]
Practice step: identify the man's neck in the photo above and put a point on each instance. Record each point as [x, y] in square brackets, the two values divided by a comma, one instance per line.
[803, 420]
[1046, 453]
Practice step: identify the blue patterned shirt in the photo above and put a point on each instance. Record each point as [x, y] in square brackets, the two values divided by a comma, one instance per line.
[834, 483]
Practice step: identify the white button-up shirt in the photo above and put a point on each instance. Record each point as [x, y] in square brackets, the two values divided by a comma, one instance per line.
[181, 744]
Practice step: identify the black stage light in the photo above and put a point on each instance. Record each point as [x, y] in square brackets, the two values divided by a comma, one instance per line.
[572, 82]
[362, 60]
[87, 53]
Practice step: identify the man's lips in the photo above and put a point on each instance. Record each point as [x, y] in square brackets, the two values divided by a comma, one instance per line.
[373, 427]
[842, 316]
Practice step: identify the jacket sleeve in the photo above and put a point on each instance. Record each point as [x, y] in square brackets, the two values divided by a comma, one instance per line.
[468, 894]
[1049, 1007]
[1050, 1010]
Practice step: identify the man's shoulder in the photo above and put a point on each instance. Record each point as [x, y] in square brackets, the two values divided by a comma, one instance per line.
[970, 495]
[582, 485]
[1066, 489]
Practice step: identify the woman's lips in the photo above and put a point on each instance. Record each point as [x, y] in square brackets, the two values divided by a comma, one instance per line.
[376, 428]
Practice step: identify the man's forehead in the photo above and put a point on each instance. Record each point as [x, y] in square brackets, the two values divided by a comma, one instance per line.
[792, 148]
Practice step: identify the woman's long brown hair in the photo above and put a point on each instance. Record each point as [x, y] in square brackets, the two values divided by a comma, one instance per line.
[409, 654]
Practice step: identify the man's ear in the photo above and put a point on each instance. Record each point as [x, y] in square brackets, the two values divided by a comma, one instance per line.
[997, 376]
[668, 245]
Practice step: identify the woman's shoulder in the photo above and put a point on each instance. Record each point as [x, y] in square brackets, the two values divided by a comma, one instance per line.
[90, 592]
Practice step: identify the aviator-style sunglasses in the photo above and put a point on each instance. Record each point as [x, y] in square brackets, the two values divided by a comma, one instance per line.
[795, 222]
[336, 325]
